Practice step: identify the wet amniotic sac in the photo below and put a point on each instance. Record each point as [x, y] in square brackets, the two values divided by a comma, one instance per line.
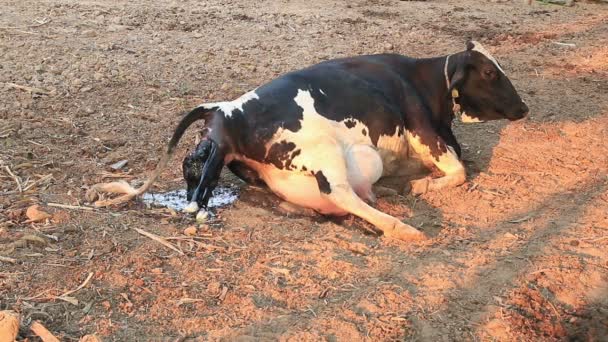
[176, 199]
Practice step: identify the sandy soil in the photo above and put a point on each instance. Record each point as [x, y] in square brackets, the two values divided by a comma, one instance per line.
[517, 253]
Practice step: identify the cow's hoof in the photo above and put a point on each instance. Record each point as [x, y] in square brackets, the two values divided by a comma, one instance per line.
[420, 186]
[404, 232]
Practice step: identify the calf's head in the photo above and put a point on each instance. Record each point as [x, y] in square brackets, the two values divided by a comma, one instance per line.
[201, 171]
[484, 92]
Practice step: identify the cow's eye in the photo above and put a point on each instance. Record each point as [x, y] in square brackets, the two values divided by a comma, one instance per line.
[489, 74]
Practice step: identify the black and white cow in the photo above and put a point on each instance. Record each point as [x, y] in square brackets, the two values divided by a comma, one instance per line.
[321, 136]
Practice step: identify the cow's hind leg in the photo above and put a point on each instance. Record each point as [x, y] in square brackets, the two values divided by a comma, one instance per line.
[333, 182]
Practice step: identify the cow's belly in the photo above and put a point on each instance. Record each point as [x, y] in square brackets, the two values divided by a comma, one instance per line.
[298, 188]
[363, 166]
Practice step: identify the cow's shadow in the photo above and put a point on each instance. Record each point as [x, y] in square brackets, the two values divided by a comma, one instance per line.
[591, 323]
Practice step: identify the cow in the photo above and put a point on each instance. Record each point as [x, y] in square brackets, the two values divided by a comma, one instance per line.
[320, 137]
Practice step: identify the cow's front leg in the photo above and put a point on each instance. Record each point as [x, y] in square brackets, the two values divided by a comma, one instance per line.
[202, 171]
[435, 151]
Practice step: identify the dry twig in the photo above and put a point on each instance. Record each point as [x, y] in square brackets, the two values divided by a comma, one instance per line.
[39, 23]
[84, 283]
[67, 206]
[28, 89]
[158, 239]
[7, 259]
[15, 178]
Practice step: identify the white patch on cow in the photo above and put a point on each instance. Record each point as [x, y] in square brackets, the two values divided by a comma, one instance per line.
[479, 48]
[322, 92]
[468, 119]
[229, 106]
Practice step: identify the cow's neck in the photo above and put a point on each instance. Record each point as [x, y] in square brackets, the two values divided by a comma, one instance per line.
[430, 76]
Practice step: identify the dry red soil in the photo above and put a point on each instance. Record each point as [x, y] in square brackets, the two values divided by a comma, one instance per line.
[518, 253]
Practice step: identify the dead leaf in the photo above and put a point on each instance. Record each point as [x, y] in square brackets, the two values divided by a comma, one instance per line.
[89, 338]
[35, 214]
[190, 231]
[60, 217]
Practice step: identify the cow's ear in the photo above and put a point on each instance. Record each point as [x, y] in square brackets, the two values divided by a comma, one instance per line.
[462, 65]
[470, 45]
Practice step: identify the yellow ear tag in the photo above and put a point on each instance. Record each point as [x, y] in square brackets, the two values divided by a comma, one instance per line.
[455, 93]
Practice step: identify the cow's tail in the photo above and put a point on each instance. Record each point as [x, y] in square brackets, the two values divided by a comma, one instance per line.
[199, 113]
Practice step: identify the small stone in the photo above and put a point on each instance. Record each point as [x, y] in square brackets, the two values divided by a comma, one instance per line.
[389, 46]
[85, 89]
[115, 28]
[510, 236]
[190, 231]
[89, 33]
[119, 165]
[97, 76]
[574, 243]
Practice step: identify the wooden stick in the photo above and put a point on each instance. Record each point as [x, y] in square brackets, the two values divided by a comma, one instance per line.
[40, 23]
[7, 259]
[159, 240]
[43, 333]
[29, 89]
[42, 179]
[15, 178]
[67, 206]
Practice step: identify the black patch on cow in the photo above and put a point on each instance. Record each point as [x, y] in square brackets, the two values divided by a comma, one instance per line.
[304, 168]
[324, 186]
[364, 132]
[294, 154]
[253, 127]
[279, 154]
[350, 123]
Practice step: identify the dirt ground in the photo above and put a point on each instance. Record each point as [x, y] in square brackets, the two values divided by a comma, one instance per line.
[517, 253]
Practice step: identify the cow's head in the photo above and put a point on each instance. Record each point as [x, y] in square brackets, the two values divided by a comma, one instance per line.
[484, 92]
